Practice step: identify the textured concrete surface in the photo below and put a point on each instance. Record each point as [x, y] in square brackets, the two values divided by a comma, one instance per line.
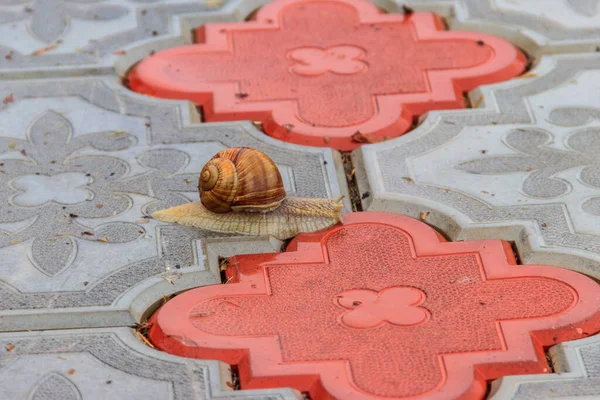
[109, 363]
[83, 160]
[522, 167]
[544, 27]
[577, 375]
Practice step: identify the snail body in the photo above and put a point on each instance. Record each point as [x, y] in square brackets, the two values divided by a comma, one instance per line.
[242, 192]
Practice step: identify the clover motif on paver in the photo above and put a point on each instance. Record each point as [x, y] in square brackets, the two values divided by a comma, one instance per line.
[54, 189]
[42, 182]
[345, 60]
[66, 188]
[318, 72]
[542, 162]
[370, 309]
[49, 19]
[380, 307]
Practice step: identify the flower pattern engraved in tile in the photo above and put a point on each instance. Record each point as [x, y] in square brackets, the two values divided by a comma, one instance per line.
[65, 188]
[381, 307]
[542, 163]
[370, 309]
[162, 181]
[49, 19]
[55, 386]
[343, 60]
[29, 168]
[317, 72]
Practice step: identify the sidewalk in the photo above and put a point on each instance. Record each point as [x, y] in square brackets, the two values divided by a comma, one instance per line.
[84, 161]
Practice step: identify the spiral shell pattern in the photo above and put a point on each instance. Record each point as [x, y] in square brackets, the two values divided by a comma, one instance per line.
[240, 179]
[218, 184]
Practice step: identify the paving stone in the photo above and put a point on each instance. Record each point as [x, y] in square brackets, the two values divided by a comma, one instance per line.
[332, 87]
[523, 168]
[559, 26]
[577, 375]
[109, 363]
[82, 162]
[380, 307]
[62, 38]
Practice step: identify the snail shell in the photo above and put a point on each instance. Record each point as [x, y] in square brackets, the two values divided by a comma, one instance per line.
[238, 182]
[241, 179]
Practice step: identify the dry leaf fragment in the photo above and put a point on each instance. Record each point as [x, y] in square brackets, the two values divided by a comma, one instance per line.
[213, 3]
[141, 221]
[71, 371]
[326, 139]
[528, 75]
[115, 133]
[408, 179]
[172, 277]
[119, 52]
[358, 137]
[478, 102]
[188, 181]
[423, 215]
[43, 50]
[143, 339]
[8, 99]
[15, 241]
[99, 205]
[104, 239]
[201, 315]
[10, 347]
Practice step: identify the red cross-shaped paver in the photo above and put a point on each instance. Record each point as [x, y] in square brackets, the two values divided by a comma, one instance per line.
[381, 307]
[334, 73]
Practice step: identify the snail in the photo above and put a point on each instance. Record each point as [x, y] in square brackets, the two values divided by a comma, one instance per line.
[241, 191]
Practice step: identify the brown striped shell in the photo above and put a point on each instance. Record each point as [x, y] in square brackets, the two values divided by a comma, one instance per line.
[240, 179]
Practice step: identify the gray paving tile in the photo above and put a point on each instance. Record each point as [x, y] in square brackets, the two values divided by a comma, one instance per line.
[558, 26]
[109, 363]
[522, 168]
[81, 162]
[60, 38]
[577, 375]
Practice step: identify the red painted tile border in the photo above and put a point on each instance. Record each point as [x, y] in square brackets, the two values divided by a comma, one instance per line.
[328, 73]
[322, 317]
